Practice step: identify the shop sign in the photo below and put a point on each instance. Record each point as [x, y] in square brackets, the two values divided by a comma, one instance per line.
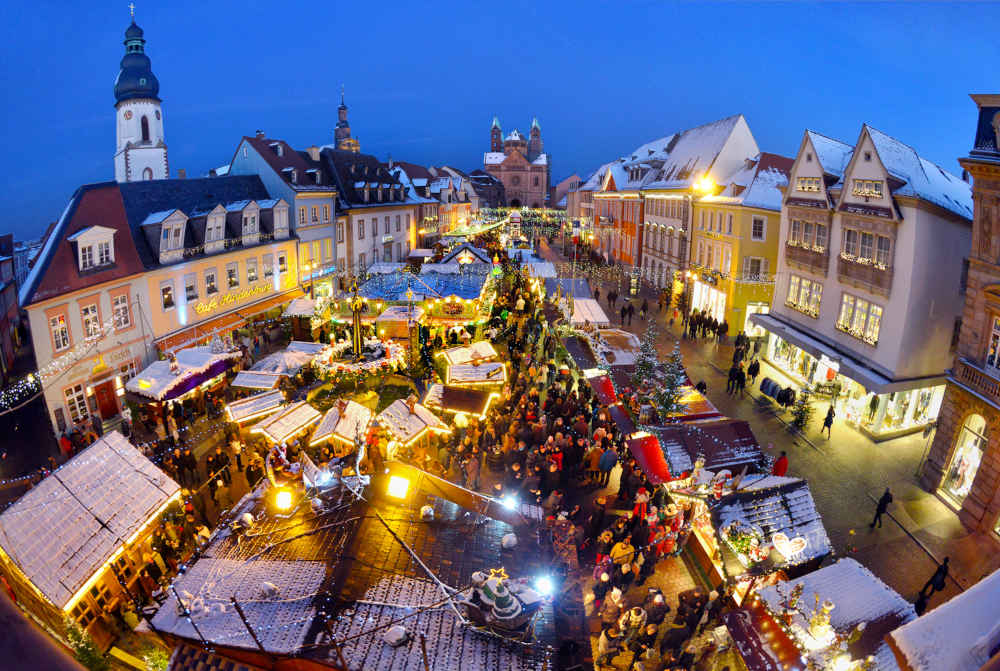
[386, 238]
[89, 366]
[231, 298]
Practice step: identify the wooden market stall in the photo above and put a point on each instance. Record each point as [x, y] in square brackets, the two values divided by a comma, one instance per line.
[407, 422]
[255, 407]
[190, 371]
[460, 400]
[290, 423]
[489, 374]
[720, 443]
[480, 351]
[342, 426]
[246, 379]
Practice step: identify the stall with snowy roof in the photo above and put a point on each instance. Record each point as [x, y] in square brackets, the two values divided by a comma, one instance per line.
[481, 351]
[962, 633]
[293, 421]
[832, 619]
[750, 530]
[252, 408]
[396, 320]
[407, 422]
[69, 544]
[185, 372]
[286, 363]
[246, 379]
[475, 374]
[342, 426]
[462, 402]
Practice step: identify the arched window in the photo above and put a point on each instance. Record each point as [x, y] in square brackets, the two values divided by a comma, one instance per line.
[147, 173]
[145, 128]
[965, 463]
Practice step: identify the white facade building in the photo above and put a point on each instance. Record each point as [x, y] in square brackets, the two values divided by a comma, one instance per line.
[141, 151]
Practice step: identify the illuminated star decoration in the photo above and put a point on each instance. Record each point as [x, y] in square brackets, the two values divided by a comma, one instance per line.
[499, 573]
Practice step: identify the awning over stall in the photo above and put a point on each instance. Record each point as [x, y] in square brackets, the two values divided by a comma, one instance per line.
[161, 381]
[255, 407]
[647, 452]
[256, 380]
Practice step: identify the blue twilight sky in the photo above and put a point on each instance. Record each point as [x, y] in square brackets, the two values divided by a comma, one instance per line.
[424, 80]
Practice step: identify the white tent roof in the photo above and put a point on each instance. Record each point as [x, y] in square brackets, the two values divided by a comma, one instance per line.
[405, 426]
[289, 422]
[307, 347]
[589, 310]
[345, 420]
[481, 349]
[256, 380]
[256, 406]
[156, 380]
[283, 363]
[955, 636]
[492, 372]
[66, 527]
[300, 307]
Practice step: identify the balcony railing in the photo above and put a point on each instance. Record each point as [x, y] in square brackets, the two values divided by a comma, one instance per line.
[812, 259]
[873, 277]
[971, 375]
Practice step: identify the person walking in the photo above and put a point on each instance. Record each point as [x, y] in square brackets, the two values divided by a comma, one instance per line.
[630, 311]
[937, 581]
[880, 508]
[753, 370]
[780, 465]
[607, 463]
[828, 421]
[644, 308]
[741, 380]
[597, 294]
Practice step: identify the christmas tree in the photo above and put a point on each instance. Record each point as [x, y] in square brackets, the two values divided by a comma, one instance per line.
[667, 397]
[84, 648]
[646, 363]
[802, 410]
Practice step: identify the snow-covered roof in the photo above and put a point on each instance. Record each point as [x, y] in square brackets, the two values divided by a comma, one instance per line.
[65, 528]
[401, 313]
[345, 420]
[445, 398]
[514, 135]
[494, 157]
[833, 155]
[156, 381]
[446, 268]
[384, 267]
[289, 422]
[255, 407]
[222, 170]
[923, 179]
[237, 206]
[492, 372]
[283, 362]
[300, 307]
[858, 596]
[393, 286]
[481, 349]
[477, 254]
[693, 152]
[588, 310]
[596, 178]
[255, 380]
[541, 159]
[306, 347]
[157, 217]
[957, 635]
[406, 426]
[725, 444]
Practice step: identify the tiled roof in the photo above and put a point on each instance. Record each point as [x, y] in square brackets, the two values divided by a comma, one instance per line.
[724, 443]
[299, 161]
[68, 525]
[349, 169]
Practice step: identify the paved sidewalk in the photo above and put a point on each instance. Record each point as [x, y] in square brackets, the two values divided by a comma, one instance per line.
[847, 474]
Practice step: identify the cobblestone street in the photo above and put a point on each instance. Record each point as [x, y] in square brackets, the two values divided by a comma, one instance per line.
[846, 474]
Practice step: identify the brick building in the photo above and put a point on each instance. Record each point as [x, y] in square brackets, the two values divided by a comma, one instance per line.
[519, 164]
[964, 461]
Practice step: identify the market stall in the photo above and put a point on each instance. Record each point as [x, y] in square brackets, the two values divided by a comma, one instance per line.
[491, 373]
[188, 370]
[342, 426]
[395, 321]
[602, 385]
[255, 407]
[291, 422]
[284, 363]
[459, 400]
[748, 528]
[247, 379]
[301, 312]
[589, 311]
[406, 422]
[720, 444]
[645, 447]
[481, 351]
[835, 618]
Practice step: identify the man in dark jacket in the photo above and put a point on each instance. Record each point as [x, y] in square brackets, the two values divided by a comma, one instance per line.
[674, 638]
[937, 581]
[881, 507]
[219, 461]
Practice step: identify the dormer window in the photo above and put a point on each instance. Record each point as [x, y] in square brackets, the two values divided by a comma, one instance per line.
[868, 188]
[278, 149]
[249, 224]
[94, 247]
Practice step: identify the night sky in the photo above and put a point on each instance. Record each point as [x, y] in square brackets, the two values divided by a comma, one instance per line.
[424, 80]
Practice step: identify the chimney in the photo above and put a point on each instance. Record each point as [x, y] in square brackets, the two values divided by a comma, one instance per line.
[181, 173]
[390, 161]
[313, 152]
[260, 134]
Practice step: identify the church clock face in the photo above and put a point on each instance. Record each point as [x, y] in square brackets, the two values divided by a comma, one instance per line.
[128, 114]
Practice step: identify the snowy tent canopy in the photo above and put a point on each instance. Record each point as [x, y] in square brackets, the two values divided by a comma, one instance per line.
[456, 400]
[407, 420]
[255, 407]
[957, 635]
[481, 350]
[289, 423]
[282, 363]
[776, 505]
[307, 347]
[858, 596]
[300, 307]
[393, 287]
[255, 380]
[587, 310]
[489, 373]
[194, 366]
[345, 421]
[66, 527]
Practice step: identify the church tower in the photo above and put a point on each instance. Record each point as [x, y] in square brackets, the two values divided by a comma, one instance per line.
[535, 143]
[342, 134]
[496, 137]
[141, 152]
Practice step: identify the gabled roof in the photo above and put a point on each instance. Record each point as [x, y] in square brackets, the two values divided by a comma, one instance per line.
[757, 183]
[66, 527]
[923, 179]
[349, 169]
[290, 160]
[833, 155]
[693, 152]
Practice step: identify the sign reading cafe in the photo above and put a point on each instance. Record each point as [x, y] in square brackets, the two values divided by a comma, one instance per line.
[231, 298]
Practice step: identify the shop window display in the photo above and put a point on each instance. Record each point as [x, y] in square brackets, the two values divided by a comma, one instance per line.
[964, 464]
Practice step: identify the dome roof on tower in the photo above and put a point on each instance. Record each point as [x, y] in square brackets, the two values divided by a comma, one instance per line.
[136, 78]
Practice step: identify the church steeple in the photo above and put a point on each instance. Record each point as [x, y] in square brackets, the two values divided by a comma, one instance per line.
[342, 134]
[141, 152]
[496, 136]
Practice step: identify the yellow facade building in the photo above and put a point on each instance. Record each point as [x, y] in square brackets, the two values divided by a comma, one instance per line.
[734, 243]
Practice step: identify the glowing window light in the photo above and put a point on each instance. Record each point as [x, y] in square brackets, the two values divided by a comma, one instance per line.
[398, 486]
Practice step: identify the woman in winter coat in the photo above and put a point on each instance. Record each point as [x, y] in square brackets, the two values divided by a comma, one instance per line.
[611, 609]
[608, 460]
[601, 589]
[605, 541]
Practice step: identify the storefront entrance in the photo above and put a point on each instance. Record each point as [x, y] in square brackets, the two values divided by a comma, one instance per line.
[107, 404]
[710, 300]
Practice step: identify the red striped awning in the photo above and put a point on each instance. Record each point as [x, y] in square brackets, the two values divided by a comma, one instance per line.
[604, 389]
[646, 450]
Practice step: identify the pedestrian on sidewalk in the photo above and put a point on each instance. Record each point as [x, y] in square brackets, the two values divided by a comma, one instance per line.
[644, 309]
[753, 370]
[881, 507]
[741, 380]
[937, 581]
[630, 312]
[731, 382]
[624, 312]
[828, 421]
[780, 465]
[597, 294]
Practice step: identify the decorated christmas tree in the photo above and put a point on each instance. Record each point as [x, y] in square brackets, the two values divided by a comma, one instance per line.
[802, 410]
[667, 397]
[646, 363]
